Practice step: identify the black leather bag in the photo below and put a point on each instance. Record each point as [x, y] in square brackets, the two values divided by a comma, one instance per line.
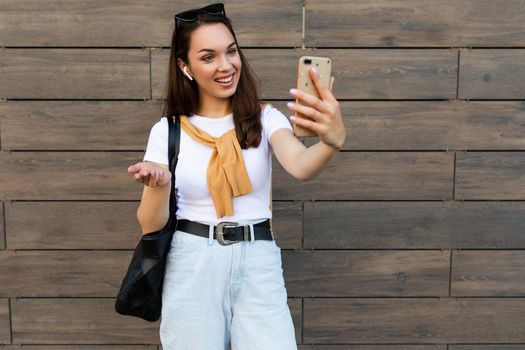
[140, 294]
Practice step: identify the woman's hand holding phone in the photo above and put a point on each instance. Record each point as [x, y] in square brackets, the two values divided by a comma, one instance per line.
[325, 113]
[150, 173]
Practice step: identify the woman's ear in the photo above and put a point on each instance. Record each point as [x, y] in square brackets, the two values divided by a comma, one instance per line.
[187, 73]
[182, 66]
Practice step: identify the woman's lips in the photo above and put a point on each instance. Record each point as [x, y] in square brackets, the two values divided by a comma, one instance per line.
[229, 83]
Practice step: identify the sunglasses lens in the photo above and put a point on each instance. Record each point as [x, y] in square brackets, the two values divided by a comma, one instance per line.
[191, 15]
[187, 15]
[214, 8]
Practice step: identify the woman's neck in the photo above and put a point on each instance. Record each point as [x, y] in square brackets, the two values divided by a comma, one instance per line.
[215, 108]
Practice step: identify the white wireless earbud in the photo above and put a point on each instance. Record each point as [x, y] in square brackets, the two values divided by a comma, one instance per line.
[186, 73]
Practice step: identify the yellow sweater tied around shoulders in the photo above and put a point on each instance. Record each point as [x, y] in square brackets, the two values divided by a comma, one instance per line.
[227, 173]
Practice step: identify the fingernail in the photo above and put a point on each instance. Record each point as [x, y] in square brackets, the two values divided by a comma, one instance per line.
[314, 70]
[293, 91]
[290, 104]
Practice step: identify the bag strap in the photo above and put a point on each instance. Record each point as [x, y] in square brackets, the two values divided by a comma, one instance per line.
[173, 157]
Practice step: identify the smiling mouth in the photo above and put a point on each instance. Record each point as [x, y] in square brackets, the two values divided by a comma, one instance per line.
[227, 81]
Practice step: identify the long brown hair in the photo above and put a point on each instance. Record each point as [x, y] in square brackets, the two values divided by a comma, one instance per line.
[182, 95]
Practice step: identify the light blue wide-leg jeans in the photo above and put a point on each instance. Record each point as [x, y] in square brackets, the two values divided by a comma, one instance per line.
[215, 294]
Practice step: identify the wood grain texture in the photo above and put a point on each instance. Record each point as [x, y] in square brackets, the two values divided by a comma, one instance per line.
[77, 125]
[72, 225]
[5, 327]
[62, 273]
[414, 225]
[2, 225]
[296, 310]
[287, 224]
[432, 125]
[492, 74]
[135, 23]
[399, 23]
[487, 347]
[370, 125]
[78, 347]
[77, 321]
[108, 225]
[410, 239]
[361, 74]
[102, 176]
[411, 320]
[499, 273]
[373, 176]
[68, 175]
[373, 347]
[490, 175]
[366, 273]
[74, 74]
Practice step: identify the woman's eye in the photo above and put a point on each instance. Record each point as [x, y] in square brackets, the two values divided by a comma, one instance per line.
[231, 51]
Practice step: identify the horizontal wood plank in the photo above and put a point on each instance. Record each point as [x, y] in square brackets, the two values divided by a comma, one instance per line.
[414, 225]
[487, 347]
[103, 176]
[499, 273]
[344, 273]
[79, 347]
[373, 176]
[370, 125]
[5, 326]
[432, 125]
[74, 74]
[414, 23]
[72, 225]
[373, 347]
[366, 273]
[108, 225]
[77, 125]
[77, 321]
[490, 176]
[70, 273]
[133, 23]
[68, 175]
[62, 273]
[360, 74]
[492, 74]
[410, 320]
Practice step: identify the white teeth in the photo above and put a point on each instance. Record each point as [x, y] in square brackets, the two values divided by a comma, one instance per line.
[225, 80]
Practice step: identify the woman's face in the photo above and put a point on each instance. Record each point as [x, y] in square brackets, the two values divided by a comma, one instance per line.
[213, 55]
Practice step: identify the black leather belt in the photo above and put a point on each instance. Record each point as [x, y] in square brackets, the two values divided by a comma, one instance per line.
[227, 232]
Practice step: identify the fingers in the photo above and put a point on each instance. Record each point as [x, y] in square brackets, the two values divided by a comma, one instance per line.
[150, 175]
[321, 89]
[307, 124]
[307, 111]
[319, 104]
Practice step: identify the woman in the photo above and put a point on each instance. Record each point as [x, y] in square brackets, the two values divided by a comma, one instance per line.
[224, 282]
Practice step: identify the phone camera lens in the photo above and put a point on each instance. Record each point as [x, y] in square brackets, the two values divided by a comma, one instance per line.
[308, 61]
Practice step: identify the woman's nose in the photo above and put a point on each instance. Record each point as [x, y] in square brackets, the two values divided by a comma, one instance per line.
[225, 64]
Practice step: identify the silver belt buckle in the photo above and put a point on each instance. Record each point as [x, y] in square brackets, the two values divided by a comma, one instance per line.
[220, 232]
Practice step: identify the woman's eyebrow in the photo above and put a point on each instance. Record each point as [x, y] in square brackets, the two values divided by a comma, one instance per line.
[211, 50]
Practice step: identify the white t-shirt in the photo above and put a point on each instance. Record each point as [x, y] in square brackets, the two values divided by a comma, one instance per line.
[193, 198]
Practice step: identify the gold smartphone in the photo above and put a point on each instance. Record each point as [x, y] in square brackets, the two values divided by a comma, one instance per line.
[323, 65]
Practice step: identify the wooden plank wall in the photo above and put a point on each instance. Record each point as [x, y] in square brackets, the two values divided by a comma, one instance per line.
[413, 238]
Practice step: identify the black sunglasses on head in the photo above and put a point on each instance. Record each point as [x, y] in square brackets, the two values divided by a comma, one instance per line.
[191, 15]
